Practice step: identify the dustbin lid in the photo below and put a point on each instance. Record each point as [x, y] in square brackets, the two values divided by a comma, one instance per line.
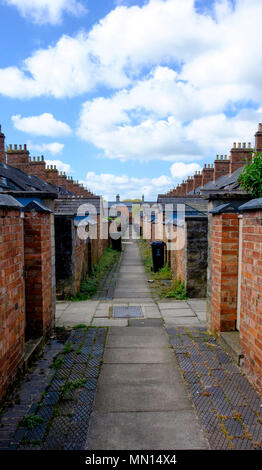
[157, 243]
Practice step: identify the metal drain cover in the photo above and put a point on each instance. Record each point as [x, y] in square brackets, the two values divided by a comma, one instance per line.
[127, 312]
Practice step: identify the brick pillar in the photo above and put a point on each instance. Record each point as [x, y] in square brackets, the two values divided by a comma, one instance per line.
[258, 139]
[197, 180]
[2, 147]
[12, 298]
[37, 167]
[19, 157]
[250, 329]
[224, 271]
[189, 184]
[207, 174]
[221, 166]
[39, 273]
[240, 156]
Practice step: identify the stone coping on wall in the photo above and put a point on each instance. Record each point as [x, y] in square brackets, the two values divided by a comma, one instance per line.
[254, 204]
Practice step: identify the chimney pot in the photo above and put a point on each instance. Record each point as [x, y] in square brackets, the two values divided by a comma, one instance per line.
[25, 146]
[249, 145]
[244, 145]
[234, 145]
[260, 127]
[15, 146]
[239, 145]
[20, 147]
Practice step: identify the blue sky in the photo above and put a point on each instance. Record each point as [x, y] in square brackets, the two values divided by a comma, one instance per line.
[130, 96]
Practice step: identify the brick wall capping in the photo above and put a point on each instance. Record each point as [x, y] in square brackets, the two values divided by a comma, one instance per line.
[37, 206]
[225, 208]
[252, 205]
[9, 202]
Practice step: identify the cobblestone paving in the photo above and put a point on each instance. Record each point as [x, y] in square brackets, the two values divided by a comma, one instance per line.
[64, 409]
[229, 409]
[107, 284]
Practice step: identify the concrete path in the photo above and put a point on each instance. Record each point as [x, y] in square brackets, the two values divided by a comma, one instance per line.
[141, 401]
[132, 282]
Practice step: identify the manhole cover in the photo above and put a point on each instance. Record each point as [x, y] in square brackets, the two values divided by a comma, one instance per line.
[121, 312]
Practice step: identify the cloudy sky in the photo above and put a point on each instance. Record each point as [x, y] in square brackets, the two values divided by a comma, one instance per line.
[130, 96]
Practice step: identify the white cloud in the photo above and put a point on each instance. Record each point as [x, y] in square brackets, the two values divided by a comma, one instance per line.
[132, 187]
[45, 124]
[111, 53]
[61, 166]
[161, 113]
[181, 170]
[47, 11]
[53, 147]
[147, 121]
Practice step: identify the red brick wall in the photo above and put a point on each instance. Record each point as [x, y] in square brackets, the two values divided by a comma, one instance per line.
[38, 266]
[176, 257]
[251, 296]
[224, 267]
[12, 306]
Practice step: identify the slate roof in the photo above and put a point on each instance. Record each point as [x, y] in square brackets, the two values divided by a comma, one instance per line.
[9, 201]
[15, 179]
[225, 183]
[197, 203]
[70, 206]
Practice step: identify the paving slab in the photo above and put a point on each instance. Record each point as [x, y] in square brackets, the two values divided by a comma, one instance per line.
[139, 373]
[87, 306]
[152, 341]
[62, 305]
[177, 312]
[141, 397]
[173, 304]
[198, 305]
[182, 321]
[137, 330]
[202, 316]
[139, 356]
[110, 322]
[146, 322]
[142, 431]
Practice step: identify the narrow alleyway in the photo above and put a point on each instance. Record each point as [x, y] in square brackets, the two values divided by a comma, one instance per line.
[146, 376]
[141, 397]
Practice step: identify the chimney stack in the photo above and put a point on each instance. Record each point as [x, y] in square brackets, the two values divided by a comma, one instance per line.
[117, 198]
[2, 147]
[189, 184]
[37, 167]
[221, 166]
[197, 180]
[19, 157]
[207, 174]
[258, 139]
[240, 156]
